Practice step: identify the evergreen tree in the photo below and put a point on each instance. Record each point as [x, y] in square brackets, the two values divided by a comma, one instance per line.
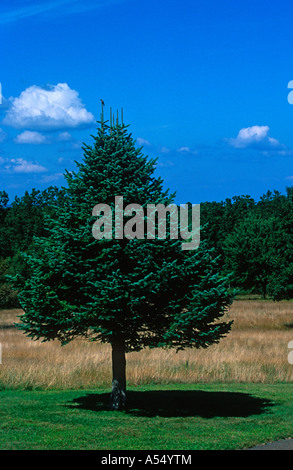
[130, 292]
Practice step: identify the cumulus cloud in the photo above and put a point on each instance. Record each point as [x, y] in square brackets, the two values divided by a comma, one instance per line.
[19, 165]
[30, 137]
[51, 108]
[255, 136]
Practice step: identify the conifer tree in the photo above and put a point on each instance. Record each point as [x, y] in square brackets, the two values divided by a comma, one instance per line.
[132, 293]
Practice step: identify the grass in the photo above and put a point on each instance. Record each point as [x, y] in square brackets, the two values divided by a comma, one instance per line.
[182, 417]
[235, 394]
[255, 351]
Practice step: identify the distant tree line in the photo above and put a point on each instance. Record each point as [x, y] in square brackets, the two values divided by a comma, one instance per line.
[20, 222]
[253, 239]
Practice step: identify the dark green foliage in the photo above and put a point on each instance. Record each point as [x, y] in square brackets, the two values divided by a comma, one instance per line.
[220, 218]
[140, 292]
[250, 252]
[4, 199]
[225, 228]
[233, 229]
[21, 221]
[8, 296]
[281, 285]
[254, 241]
[24, 219]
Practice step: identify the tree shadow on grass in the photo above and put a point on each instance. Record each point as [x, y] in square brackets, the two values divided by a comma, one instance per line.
[180, 403]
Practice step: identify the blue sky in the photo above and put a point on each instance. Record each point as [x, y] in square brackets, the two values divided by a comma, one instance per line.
[203, 84]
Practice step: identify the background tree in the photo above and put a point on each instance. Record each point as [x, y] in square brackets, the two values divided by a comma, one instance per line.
[220, 218]
[4, 199]
[24, 219]
[131, 293]
[20, 222]
[248, 250]
[281, 286]
[258, 250]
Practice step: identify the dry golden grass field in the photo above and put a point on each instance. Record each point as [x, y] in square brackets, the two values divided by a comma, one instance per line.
[255, 351]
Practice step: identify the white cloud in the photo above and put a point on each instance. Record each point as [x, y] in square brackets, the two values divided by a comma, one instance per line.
[64, 136]
[142, 141]
[30, 137]
[54, 107]
[255, 136]
[13, 12]
[165, 150]
[168, 163]
[19, 165]
[50, 178]
[187, 150]
[77, 145]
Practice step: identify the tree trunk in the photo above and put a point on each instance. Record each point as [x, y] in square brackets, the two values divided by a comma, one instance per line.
[264, 290]
[118, 397]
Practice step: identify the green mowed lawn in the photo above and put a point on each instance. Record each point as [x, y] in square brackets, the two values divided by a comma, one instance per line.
[173, 417]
